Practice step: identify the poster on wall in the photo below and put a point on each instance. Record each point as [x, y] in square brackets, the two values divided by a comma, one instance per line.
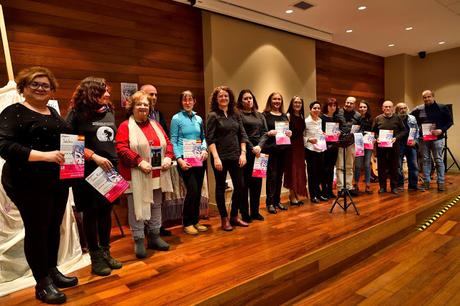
[127, 90]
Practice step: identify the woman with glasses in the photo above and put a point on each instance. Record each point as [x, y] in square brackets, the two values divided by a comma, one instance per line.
[91, 115]
[186, 125]
[134, 142]
[29, 142]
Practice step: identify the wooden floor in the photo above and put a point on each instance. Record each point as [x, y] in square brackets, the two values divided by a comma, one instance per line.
[270, 262]
[421, 269]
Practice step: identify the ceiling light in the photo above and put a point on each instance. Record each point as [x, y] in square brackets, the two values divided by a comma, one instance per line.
[409, 28]
[391, 45]
[441, 43]
[362, 7]
[289, 11]
[349, 31]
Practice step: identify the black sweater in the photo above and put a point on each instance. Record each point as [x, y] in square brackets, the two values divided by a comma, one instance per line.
[227, 133]
[21, 131]
[435, 113]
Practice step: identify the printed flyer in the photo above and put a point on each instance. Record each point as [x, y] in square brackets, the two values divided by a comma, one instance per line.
[110, 184]
[426, 131]
[321, 143]
[156, 157]
[281, 127]
[332, 131]
[73, 147]
[355, 128]
[260, 166]
[192, 152]
[385, 137]
[412, 136]
[359, 144]
[369, 139]
[127, 90]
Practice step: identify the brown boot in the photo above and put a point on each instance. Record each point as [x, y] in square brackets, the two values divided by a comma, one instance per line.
[235, 221]
[226, 224]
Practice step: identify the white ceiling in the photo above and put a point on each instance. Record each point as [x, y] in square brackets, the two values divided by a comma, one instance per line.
[381, 24]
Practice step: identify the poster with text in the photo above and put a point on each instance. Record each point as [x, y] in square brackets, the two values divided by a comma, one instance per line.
[127, 90]
[73, 147]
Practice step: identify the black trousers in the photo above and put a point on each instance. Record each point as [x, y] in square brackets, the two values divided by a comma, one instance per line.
[275, 170]
[315, 168]
[330, 158]
[252, 187]
[41, 209]
[388, 166]
[193, 179]
[236, 174]
[97, 215]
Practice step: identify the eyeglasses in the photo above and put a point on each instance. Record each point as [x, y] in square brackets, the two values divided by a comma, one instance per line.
[37, 85]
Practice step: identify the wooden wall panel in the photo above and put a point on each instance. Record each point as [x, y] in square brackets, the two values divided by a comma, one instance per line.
[138, 41]
[343, 72]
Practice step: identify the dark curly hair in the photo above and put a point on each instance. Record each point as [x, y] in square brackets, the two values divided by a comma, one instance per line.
[368, 114]
[85, 99]
[239, 103]
[231, 99]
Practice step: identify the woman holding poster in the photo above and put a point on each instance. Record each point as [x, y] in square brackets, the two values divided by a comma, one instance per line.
[364, 162]
[189, 143]
[29, 142]
[315, 145]
[139, 141]
[256, 128]
[276, 146]
[330, 155]
[91, 115]
[227, 140]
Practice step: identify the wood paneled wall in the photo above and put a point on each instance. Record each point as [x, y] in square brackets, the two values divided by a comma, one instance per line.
[343, 72]
[136, 41]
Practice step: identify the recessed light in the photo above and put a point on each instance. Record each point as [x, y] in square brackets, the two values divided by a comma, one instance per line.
[289, 11]
[409, 28]
[391, 45]
[362, 7]
[349, 31]
[441, 43]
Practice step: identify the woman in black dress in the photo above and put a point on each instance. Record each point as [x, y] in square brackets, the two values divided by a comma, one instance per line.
[29, 142]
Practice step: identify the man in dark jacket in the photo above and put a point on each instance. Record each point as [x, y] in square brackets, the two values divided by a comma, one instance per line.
[434, 120]
[347, 118]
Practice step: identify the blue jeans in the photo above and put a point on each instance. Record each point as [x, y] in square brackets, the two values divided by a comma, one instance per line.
[363, 162]
[433, 148]
[412, 166]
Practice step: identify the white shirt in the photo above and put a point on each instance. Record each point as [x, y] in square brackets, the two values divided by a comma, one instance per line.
[312, 130]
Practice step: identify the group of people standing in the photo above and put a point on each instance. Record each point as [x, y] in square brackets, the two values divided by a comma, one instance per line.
[235, 134]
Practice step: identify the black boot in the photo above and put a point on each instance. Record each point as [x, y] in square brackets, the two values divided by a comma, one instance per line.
[60, 280]
[112, 262]
[98, 264]
[47, 292]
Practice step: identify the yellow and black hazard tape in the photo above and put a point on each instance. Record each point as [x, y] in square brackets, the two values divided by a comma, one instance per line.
[438, 214]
